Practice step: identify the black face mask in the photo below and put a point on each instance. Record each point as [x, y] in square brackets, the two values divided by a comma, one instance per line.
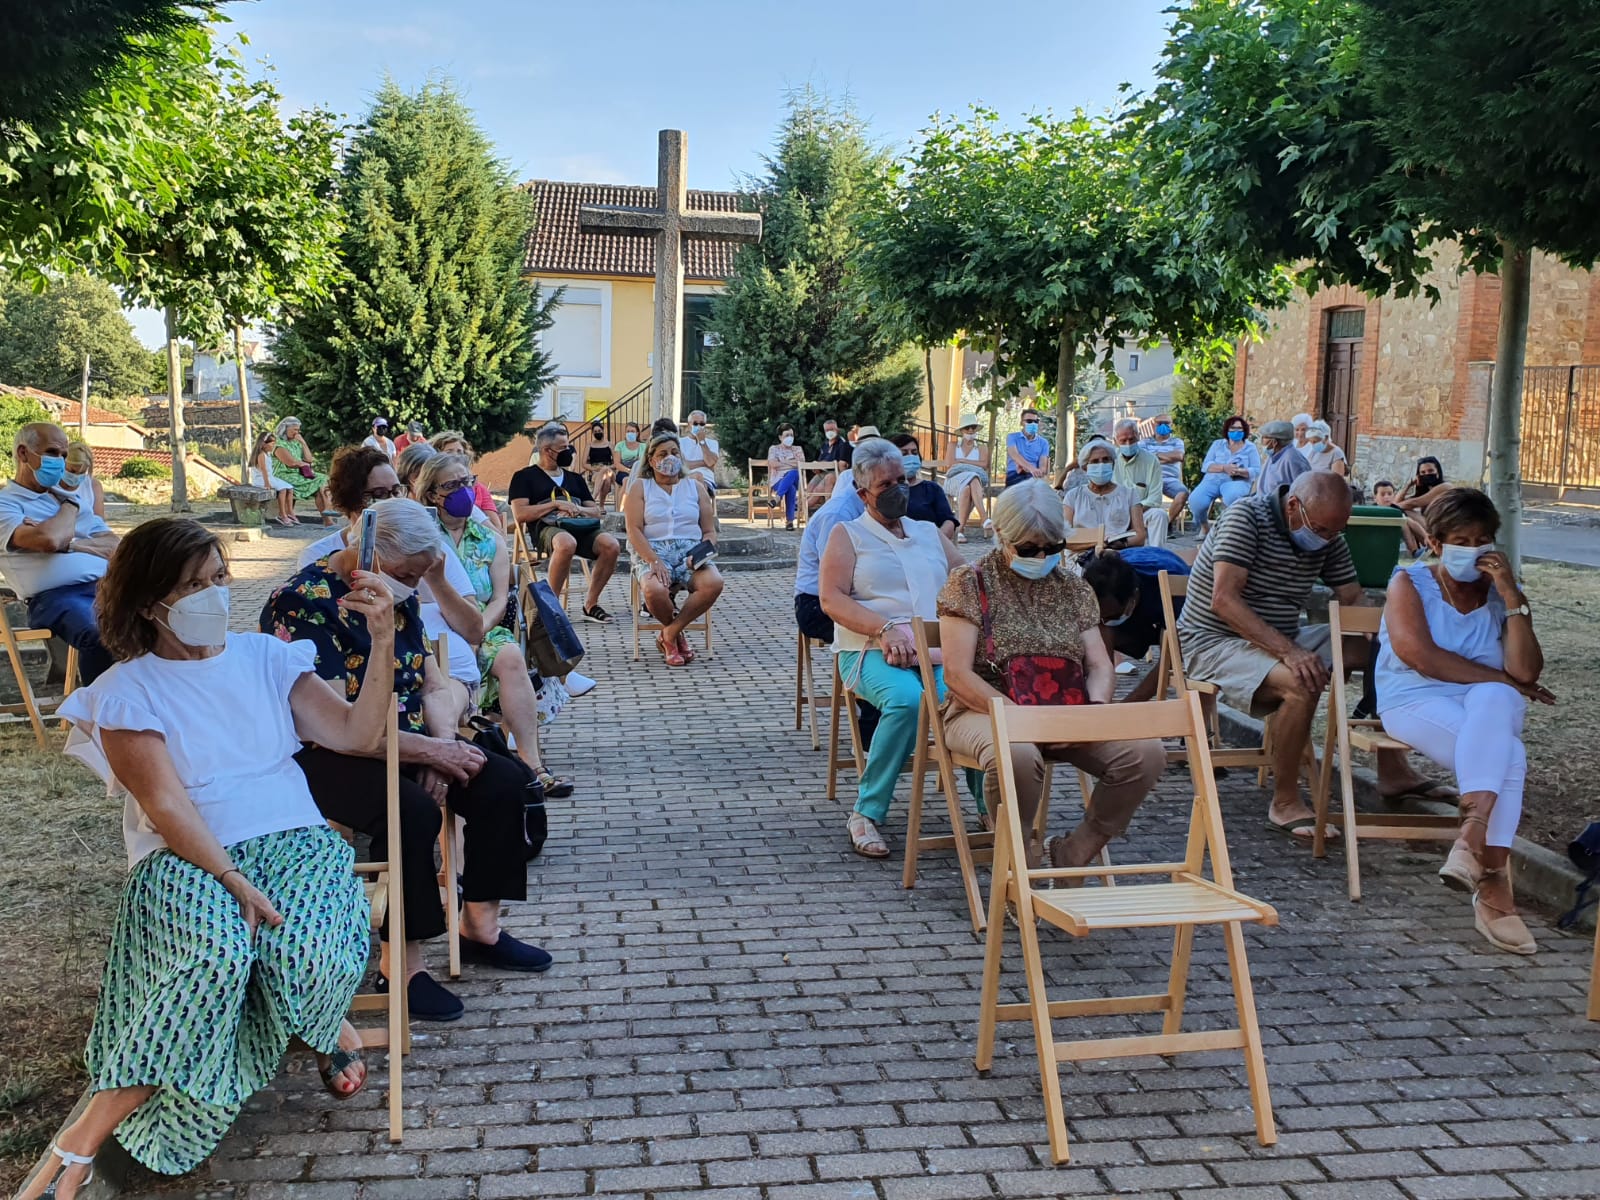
[893, 502]
[564, 459]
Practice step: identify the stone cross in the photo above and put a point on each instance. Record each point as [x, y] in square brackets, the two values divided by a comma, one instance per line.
[669, 222]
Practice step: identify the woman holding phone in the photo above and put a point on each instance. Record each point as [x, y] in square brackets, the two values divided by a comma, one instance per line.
[668, 516]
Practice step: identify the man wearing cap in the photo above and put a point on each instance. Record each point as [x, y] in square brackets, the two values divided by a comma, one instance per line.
[1284, 462]
[1136, 468]
[415, 432]
[379, 440]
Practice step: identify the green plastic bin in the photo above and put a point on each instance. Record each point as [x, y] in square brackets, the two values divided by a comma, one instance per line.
[1374, 538]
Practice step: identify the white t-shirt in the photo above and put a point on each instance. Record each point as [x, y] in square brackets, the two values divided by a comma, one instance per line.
[228, 727]
[1114, 510]
[378, 443]
[30, 572]
[694, 457]
[463, 654]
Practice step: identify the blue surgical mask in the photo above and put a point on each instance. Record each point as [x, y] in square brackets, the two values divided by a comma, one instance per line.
[913, 466]
[1163, 430]
[1035, 568]
[1129, 451]
[1236, 435]
[70, 481]
[1461, 562]
[1115, 621]
[1031, 428]
[1307, 540]
[49, 471]
[1099, 472]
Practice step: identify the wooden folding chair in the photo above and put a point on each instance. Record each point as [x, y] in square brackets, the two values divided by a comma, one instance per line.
[1187, 900]
[806, 698]
[386, 898]
[527, 554]
[450, 841]
[1346, 735]
[642, 625]
[971, 848]
[14, 637]
[1092, 537]
[842, 701]
[760, 493]
[810, 472]
[1594, 978]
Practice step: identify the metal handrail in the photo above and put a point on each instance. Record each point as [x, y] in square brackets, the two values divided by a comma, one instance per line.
[633, 405]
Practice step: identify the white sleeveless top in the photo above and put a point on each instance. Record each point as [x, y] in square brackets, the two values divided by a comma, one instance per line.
[672, 512]
[895, 577]
[977, 453]
[1477, 635]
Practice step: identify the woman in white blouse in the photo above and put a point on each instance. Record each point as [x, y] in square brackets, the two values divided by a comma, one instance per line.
[666, 517]
[1104, 503]
[241, 926]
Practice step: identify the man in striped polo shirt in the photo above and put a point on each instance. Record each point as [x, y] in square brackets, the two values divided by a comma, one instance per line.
[1240, 627]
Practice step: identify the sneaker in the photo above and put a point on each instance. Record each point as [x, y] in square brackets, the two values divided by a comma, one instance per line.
[1126, 667]
[961, 538]
[507, 953]
[579, 684]
[427, 998]
[598, 615]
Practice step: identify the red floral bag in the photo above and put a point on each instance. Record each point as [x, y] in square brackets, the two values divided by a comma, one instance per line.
[1033, 679]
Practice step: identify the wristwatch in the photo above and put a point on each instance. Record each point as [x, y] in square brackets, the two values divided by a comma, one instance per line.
[1521, 610]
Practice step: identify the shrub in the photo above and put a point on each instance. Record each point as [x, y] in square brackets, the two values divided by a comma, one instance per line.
[1202, 399]
[144, 468]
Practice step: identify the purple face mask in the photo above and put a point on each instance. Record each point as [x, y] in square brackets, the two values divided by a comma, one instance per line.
[459, 503]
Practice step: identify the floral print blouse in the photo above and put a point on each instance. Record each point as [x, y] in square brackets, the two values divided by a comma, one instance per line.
[306, 609]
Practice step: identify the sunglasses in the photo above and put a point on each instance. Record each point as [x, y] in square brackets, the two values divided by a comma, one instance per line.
[1032, 551]
[452, 485]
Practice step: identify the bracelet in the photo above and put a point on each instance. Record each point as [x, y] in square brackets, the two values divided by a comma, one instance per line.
[231, 871]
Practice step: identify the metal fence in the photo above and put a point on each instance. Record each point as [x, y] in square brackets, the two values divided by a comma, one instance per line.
[1561, 427]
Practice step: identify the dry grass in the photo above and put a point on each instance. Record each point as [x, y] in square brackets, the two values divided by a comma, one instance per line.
[61, 869]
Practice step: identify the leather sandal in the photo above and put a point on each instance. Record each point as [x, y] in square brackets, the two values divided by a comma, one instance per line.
[670, 654]
[68, 1160]
[865, 839]
[339, 1062]
[684, 648]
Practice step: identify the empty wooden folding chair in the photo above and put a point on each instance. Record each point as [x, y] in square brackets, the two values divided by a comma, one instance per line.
[643, 624]
[812, 477]
[29, 704]
[386, 898]
[1186, 900]
[972, 849]
[1346, 735]
[806, 698]
[759, 497]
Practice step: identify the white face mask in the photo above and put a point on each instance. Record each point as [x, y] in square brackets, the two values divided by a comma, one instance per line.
[1461, 562]
[830, 434]
[787, 439]
[200, 619]
[669, 466]
[402, 591]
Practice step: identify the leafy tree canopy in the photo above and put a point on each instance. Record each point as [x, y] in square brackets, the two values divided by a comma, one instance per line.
[44, 336]
[800, 339]
[434, 321]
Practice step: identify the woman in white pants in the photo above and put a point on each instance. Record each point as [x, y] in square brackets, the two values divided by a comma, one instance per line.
[1457, 663]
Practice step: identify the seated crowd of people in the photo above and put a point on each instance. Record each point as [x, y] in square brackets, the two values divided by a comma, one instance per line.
[241, 926]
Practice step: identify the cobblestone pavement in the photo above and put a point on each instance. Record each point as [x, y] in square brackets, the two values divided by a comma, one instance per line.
[743, 1010]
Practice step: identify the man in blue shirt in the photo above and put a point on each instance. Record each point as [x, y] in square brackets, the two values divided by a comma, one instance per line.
[1284, 463]
[1028, 452]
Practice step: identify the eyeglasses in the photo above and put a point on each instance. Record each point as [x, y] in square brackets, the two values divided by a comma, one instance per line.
[374, 495]
[1032, 551]
[452, 485]
[1305, 516]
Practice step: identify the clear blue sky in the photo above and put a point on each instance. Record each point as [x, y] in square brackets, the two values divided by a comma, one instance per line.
[577, 91]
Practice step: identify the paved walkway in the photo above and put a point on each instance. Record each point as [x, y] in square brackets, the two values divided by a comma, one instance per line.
[743, 1010]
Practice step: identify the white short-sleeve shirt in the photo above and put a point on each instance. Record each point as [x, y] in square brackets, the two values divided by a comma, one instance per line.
[30, 572]
[228, 727]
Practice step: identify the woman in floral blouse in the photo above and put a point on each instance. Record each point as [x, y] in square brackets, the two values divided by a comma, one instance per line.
[487, 790]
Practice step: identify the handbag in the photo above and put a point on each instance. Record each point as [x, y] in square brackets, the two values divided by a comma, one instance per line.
[553, 645]
[307, 471]
[1033, 679]
[535, 821]
[576, 526]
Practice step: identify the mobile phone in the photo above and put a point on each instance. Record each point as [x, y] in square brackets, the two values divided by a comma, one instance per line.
[433, 512]
[367, 545]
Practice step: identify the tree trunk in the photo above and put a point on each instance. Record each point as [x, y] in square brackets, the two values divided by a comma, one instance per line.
[244, 408]
[1066, 407]
[180, 482]
[998, 464]
[933, 417]
[83, 404]
[1505, 399]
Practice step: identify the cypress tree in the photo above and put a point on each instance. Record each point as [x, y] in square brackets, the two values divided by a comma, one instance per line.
[435, 322]
[798, 340]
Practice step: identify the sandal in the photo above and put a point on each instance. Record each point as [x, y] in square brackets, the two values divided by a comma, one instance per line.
[1302, 830]
[339, 1062]
[1502, 928]
[554, 786]
[673, 657]
[684, 649]
[68, 1159]
[865, 839]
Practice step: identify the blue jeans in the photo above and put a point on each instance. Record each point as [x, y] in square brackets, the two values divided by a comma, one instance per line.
[896, 692]
[68, 612]
[789, 488]
[1213, 487]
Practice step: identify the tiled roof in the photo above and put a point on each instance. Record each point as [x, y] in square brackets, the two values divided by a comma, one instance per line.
[65, 411]
[558, 245]
[108, 460]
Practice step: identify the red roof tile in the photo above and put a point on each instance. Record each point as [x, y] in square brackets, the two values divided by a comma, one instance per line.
[108, 460]
[64, 410]
[559, 246]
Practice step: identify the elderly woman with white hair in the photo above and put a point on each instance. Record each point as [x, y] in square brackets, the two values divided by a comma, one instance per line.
[1017, 603]
[879, 571]
[294, 464]
[1320, 451]
[1102, 502]
[487, 790]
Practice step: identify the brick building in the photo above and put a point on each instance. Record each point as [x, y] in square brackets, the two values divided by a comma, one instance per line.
[1397, 379]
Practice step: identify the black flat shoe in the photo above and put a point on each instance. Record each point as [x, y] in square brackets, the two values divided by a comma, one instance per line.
[507, 953]
[428, 999]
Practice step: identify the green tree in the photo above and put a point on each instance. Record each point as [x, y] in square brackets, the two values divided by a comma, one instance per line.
[1048, 245]
[435, 322]
[1348, 137]
[53, 56]
[800, 339]
[44, 336]
[15, 412]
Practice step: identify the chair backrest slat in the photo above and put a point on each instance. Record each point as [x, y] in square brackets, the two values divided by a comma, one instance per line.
[1098, 722]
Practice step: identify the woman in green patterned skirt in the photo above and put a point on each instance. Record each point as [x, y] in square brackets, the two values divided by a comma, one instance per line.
[241, 926]
[294, 464]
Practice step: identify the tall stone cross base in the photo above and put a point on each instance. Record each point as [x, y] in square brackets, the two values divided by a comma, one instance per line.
[670, 222]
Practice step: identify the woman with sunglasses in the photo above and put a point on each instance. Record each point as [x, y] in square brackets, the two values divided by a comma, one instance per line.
[1229, 472]
[1019, 599]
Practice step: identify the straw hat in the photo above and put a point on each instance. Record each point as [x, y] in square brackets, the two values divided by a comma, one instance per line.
[968, 421]
[866, 431]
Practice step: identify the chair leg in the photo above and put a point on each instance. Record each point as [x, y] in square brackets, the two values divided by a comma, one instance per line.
[994, 943]
[800, 681]
[1352, 848]
[919, 779]
[833, 732]
[1594, 978]
[633, 612]
[965, 862]
[811, 695]
[1266, 754]
[1255, 1063]
[1044, 1036]
[24, 688]
[450, 896]
[1178, 979]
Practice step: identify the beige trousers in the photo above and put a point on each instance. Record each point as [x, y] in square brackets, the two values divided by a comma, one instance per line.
[1124, 771]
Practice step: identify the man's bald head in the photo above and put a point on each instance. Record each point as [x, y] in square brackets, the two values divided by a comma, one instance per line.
[1325, 499]
[39, 436]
